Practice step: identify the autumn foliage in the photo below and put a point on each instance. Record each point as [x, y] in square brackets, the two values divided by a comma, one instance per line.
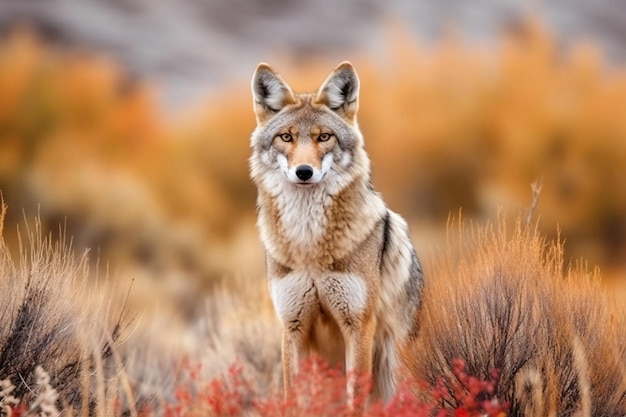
[320, 392]
[447, 125]
[165, 196]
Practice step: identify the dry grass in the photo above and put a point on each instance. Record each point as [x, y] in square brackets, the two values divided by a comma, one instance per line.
[504, 299]
[51, 318]
[495, 298]
[99, 358]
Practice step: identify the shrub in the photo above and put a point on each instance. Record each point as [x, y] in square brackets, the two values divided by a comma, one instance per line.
[51, 321]
[505, 299]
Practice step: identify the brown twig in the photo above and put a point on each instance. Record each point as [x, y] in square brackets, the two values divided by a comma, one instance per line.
[536, 189]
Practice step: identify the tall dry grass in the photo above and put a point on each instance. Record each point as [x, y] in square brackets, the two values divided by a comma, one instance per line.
[51, 318]
[68, 344]
[503, 298]
[494, 298]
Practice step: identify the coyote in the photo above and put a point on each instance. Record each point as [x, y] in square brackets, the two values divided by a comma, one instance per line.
[344, 278]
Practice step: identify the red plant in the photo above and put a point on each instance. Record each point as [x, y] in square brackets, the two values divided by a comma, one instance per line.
[321, 391]
[225, 395]
[469, 396]
[19, 410]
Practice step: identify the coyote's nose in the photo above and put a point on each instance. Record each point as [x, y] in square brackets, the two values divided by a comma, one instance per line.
[304, 172]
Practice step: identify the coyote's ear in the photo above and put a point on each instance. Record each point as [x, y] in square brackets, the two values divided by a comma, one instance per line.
[270, 93]
[340, 91]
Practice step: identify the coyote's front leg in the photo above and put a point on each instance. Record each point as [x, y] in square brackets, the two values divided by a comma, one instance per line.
[359, 339]
[295, 300]
[292, 352]
[347, 298]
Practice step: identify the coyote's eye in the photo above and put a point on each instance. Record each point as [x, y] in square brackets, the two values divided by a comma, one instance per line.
[285, 137]
[323, 137]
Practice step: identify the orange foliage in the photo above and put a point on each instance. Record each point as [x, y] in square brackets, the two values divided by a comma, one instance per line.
[447, 125]
[457, 125]
[71, 106]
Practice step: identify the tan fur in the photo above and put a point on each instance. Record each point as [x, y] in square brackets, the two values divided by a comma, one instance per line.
[505, 304]
[343, 275]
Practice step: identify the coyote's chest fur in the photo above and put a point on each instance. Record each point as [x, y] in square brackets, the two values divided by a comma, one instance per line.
[308, 228]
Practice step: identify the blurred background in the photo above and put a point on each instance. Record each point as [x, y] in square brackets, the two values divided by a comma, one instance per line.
[127, 123]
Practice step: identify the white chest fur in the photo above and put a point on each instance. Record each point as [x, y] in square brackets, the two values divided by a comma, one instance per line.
[303, 217]
[298, 294]
[304, 226]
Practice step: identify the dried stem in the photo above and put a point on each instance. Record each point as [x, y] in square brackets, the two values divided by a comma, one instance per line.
[536, 189]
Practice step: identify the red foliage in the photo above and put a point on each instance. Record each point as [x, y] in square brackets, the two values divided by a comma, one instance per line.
[19, 410]
[320, 391]
[469, 396]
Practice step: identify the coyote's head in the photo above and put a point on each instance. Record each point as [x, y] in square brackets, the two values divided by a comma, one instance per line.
[307, 140]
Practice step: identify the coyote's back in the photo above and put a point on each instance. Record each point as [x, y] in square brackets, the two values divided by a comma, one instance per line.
[343, 275]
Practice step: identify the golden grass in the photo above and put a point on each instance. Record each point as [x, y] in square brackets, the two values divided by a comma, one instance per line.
[496, 297]
[102, 359]
[505, 299]
[50, 318]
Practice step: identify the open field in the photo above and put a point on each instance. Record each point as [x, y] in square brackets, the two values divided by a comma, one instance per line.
[131, 269]
[505, 329]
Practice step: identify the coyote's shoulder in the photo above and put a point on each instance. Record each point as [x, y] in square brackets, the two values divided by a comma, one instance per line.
[343, 275]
